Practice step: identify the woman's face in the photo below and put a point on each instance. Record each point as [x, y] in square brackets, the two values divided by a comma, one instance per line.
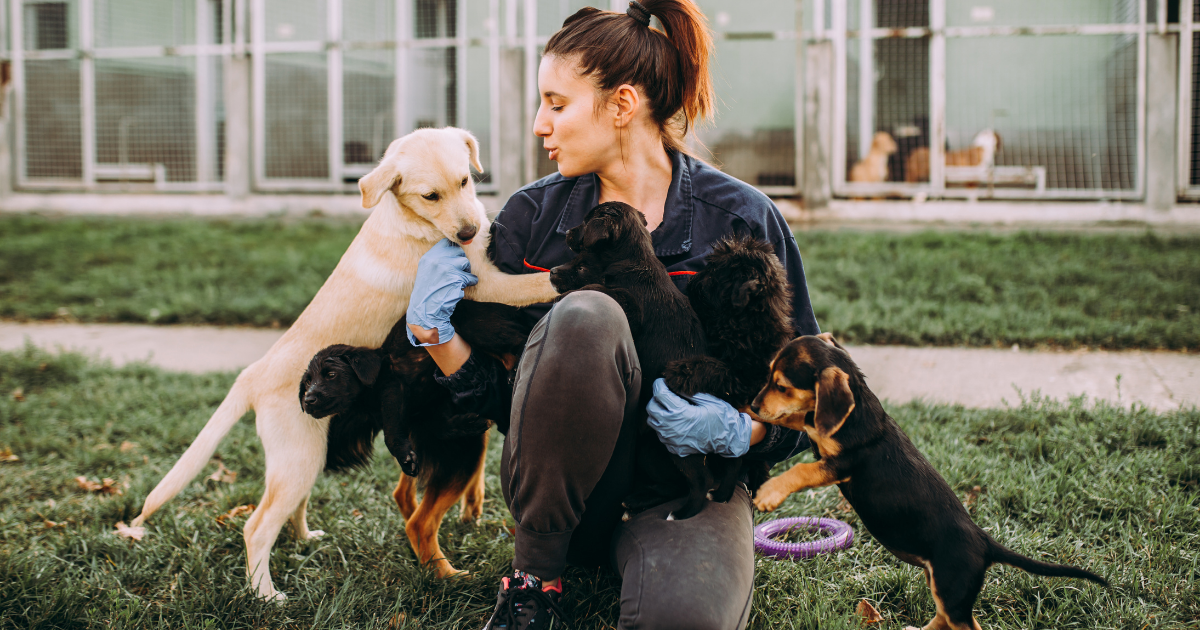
[578, 137]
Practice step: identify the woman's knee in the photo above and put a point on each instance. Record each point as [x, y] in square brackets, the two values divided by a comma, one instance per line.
[588, 313]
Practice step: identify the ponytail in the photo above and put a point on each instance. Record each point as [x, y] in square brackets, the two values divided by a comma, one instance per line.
[670, 68]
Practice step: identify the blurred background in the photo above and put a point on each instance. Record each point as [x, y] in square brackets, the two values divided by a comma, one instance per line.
[1069, 100]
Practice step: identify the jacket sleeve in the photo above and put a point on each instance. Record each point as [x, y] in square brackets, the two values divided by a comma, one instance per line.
[480, 386]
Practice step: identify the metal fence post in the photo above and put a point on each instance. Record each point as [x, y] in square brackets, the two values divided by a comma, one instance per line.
[1161, 101]
[239, 162]
[818, 124]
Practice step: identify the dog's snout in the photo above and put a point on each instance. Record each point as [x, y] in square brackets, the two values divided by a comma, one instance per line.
[310, 398]
[466, 233]
[754, 407]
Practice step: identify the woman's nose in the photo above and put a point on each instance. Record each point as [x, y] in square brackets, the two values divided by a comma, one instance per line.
[541, 126]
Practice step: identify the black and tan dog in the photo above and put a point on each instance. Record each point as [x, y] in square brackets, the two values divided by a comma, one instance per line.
[743, 300]
[392, 389]
[906, 505]
[615, 256]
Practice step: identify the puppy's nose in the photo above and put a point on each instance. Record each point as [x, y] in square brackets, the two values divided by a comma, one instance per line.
[467, 233]
[310, 399]
[754, 408]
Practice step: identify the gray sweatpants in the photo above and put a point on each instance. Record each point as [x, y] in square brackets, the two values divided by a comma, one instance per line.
[569, 461]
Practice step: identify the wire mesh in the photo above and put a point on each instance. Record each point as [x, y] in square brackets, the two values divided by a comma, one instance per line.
[1031, 114]
[297, 116]
[145, 112]
[53, 149]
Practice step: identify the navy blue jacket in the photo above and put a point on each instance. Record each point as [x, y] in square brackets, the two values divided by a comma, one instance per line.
[703, 205]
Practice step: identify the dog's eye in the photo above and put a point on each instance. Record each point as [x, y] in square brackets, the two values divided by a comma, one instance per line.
[331, 374]
[464, 182]
[431, 196]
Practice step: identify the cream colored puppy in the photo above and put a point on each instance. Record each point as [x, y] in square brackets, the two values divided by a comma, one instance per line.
[421, 192]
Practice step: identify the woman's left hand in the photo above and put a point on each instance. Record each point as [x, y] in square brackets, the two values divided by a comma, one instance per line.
[709, 425]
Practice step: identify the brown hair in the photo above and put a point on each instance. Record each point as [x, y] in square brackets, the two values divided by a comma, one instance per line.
[669, 68]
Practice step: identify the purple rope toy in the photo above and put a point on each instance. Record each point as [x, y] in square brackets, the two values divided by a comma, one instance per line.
[840, 535]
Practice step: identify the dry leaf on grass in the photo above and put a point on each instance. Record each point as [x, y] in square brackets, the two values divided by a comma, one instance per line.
[867, 613]
[397, 621]
[7, 456]
[223, 474]
[18, 394]
[105, 486]
[126, 531]
[240, 510]
[356, 514]
[127, 446]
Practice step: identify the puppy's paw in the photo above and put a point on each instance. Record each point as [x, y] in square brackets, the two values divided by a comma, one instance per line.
[314, 534]
[771, 495]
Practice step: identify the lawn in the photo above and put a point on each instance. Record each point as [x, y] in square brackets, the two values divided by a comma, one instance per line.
[1114, 490]
[926, 288]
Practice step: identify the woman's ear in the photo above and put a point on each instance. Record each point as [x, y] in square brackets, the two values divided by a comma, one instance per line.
[627, 101]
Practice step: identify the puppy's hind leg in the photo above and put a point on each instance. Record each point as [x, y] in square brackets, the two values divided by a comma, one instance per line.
[472, 503]
[300, 523]
[294, 446]
[955, 584]
[422, 528]
[405, 495]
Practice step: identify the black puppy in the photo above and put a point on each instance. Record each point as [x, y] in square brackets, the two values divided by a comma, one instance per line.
[744, 302]
[392, 389]
[614, 255]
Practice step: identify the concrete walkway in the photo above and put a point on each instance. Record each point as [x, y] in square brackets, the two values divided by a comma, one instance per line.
[968, 376]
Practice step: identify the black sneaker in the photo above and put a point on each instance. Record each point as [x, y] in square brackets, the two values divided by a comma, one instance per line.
[523, 604]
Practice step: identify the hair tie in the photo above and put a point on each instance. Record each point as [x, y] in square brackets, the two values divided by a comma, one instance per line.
[638, 12]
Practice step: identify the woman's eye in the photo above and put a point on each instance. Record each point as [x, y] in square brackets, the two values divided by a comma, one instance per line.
[556, 108]
[431, 196]
[464, 182]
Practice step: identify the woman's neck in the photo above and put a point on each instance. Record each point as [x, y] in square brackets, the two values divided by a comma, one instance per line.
[642, 179]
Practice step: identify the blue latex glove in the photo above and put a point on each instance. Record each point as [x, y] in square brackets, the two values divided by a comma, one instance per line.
[442, 273]
[710, 426]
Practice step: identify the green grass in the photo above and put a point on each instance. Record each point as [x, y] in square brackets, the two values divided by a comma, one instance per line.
[926, 288]
[1109, 489]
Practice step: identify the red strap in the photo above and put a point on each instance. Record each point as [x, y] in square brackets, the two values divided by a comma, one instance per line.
[673, 273]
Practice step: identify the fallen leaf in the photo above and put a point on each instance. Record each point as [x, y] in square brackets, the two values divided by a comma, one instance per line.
[105, 486]
[223, 474]
[103, 446]
[52, 524]
[867, 613]
[397, 621]
[7, 456]
[126, 531]
[356, 514]
[127, 446]
[240, 510]
[18, 394]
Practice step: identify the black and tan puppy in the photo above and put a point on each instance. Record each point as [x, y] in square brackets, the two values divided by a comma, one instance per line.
[614, 255]
[392, 389]
[906, 505]
[743, 300]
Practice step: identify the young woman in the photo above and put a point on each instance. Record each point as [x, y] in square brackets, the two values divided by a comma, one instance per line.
[617, 99]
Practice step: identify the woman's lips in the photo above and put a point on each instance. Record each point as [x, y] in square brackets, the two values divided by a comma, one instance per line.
[553, 154]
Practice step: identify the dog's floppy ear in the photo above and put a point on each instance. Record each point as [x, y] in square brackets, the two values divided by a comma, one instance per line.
[742, 294]
[377, 182]
[835, 401]
[366, 365]
[599, 230]
[472, 149]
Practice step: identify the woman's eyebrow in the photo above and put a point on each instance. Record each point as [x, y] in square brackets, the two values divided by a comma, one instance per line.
[552, 95]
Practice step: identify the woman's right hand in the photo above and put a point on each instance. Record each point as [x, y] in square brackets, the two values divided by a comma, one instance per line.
[442, 274]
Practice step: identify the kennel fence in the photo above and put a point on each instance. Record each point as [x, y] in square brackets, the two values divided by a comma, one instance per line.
[130, 95]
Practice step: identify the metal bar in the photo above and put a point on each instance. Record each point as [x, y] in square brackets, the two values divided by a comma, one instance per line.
[531, 88]
[866, 79]
[17, 43]
[937, 98]
[918, 32]
[1183, 137]
[493, 25]
[333, 90]
[258, 79]
[460, 82]
[241, 15]
[840, 96]
[403, 37]
[799, 104]
[871, 189]
[818, 20]
[226, 23]
[1140, 176]
[1160, 15]
[87, 90]
[205, 103]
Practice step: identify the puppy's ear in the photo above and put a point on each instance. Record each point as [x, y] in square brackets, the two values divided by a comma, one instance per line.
[304, 381]
[742, 295]
[472, 149]
[573, 238]
[598, 231]
[641, 215]
[366, 365]
[377, 182]
[835, 401]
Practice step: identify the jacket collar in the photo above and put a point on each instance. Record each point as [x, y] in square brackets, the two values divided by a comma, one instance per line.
[672, 237]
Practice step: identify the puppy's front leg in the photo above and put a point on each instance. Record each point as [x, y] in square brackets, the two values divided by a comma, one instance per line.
[496, 286]
[798, 477]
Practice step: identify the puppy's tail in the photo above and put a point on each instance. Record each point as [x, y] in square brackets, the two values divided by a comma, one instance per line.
[1004, 555]
[196, 457]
